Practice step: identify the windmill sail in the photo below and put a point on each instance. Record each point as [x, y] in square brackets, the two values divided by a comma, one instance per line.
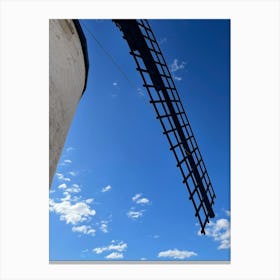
[171, 114]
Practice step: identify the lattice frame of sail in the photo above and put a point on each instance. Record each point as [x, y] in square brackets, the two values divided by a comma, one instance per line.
[170, 112]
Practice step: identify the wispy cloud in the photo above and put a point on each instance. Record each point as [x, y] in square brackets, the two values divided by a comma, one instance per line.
[162, 41]
[114, 256]
[156, 236]
[65, 162]
[220, 232]
[74, 189]
[140, 92]
[138, 199]
[176, 254]
[67, 196]
[227, 212]
[89, 200]
[104, 226]
[91, 232]
[177, 78]
[69, 149]
[177, 66]
[72, 173]
[106, 189]
[117, 89]
[135, 214]
[62, 186]
[143, 200]
[136, 196]
[68, 191]
[84, 229]
[120, 247]
[61, 177]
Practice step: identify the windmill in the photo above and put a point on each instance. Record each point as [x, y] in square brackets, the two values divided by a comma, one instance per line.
[169, 109]
[164, 97]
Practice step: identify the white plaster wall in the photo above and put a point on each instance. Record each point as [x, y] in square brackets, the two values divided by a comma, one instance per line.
[66, 82]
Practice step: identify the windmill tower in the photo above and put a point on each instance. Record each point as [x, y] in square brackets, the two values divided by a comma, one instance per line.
[68, 67]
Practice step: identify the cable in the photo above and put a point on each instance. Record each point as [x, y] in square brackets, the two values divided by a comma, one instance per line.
[111, 57]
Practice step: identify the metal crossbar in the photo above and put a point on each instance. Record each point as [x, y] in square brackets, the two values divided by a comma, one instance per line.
[170, 112]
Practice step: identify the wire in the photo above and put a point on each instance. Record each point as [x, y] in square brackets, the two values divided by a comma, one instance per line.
[110, 56]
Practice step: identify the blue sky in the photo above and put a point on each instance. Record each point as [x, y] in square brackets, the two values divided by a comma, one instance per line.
[117, 193]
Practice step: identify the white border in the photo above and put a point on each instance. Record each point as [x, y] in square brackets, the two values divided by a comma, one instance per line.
[254, 138]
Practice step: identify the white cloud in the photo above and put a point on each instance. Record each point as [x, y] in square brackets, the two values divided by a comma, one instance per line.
[69, 149]
[84, 229]
[74, 189]
[120, 247]
[143, 200]
[177, 78]
[175, 66]
[135, 197]
[91, 232]
[72, 173]
[106, 189]
[156, 236]
[114, 256]
[98, 250]
[162, 41]
[225, 244]
[89, 200]
[104, 227]
[176, 254]
[143, 259]
[134, 214]
[62, 186]
[140, 92]
[115, 84]
[71, 213]
[138, 199]
[67, 161]
[81, 229]
[61, 177]
[76, 198]
[220, 232]
[72, 209]
[227, 212]
[67, 196]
